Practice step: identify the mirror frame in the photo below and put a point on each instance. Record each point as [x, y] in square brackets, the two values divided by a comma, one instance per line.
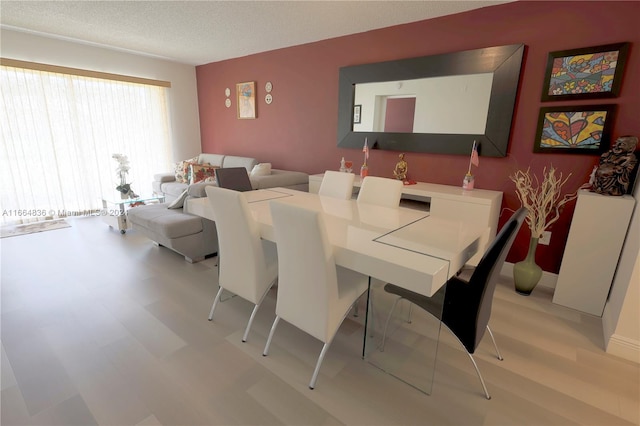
[505, 62]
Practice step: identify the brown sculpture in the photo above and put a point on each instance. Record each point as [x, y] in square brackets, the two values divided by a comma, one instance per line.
[614, 173]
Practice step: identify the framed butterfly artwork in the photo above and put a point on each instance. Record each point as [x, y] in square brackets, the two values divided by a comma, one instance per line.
[587, 73]
[574, 129]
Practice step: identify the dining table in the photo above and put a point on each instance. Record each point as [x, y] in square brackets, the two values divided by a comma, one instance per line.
[410, 248]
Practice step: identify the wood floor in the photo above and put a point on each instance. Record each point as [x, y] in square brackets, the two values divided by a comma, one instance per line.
[101, 328]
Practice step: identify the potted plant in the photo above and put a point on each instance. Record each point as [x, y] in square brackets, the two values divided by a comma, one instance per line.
[121, 172]
[544, 201]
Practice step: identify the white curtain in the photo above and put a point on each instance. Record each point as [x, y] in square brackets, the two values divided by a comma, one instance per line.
[59, 133]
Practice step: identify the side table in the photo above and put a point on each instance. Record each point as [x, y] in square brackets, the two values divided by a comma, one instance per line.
[114, 209]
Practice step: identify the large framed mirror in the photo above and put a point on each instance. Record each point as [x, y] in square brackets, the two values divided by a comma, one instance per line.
[438, 104]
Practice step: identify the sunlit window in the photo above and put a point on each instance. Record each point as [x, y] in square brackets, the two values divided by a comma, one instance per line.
[59, 133]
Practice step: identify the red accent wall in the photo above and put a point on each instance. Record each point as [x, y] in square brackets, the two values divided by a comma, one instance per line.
[298, 130]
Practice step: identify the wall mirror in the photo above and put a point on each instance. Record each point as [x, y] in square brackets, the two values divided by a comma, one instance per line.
[437, 104]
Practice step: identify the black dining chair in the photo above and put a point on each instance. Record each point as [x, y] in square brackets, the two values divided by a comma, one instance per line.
[236, 178]
[464, 307]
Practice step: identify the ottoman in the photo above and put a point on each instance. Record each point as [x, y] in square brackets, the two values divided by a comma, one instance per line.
[192, 236]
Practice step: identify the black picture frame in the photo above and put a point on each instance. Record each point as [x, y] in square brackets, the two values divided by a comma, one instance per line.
[576, 129]
[586, 73]
[357, 114]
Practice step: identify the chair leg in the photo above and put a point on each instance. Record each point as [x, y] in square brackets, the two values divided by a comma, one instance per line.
[273, 329]
[386, 324]
[255, 310]
[473, 361]
[215, 303]
[484, 387]
[314, 378]
[253, 315]
[494, 343]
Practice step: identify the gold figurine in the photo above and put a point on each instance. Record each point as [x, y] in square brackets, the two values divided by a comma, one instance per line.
[400, 172]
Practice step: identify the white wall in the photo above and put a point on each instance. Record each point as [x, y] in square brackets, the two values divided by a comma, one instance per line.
[620, 320]
[183, 95]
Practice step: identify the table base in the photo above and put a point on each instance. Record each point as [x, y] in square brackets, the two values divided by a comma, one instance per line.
[404, 345]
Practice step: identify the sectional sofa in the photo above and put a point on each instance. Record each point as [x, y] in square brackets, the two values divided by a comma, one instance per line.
[170, 224]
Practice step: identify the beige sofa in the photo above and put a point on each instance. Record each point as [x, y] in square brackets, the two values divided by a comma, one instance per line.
[165, 183]
[193, 236]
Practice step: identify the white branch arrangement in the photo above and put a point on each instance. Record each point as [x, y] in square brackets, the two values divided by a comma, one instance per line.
[543, 200]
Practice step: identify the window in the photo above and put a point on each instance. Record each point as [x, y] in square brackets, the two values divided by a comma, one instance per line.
[60, 130]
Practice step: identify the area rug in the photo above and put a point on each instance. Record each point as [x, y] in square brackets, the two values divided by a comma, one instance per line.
[30, 228]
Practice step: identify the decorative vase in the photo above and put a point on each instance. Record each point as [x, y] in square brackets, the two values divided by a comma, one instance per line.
[467, 182]
[527, 274]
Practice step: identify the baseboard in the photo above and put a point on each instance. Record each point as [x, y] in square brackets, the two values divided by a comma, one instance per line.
[548, 279]
[624, 348]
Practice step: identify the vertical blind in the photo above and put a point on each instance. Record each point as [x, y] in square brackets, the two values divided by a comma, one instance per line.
[59, 132]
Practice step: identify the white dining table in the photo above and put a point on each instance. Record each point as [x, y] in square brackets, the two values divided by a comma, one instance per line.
[409, 248]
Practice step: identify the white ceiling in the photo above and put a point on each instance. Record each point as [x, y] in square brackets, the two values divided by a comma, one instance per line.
[199, 32]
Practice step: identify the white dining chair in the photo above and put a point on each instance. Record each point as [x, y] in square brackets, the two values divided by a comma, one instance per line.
[380, 191]
[337, 185]
[248, 265]
[314, 294]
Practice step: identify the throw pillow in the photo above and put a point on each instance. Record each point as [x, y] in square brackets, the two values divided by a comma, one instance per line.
[202, 172]
[179, 202]
[187, 170]
[182, 170]
[261, 169]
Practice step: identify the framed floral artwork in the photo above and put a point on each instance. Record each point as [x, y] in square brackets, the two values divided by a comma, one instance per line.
[587, 73]
[246, 95]
[574, 129]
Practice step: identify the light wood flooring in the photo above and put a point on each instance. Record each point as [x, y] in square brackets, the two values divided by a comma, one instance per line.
[109, 329]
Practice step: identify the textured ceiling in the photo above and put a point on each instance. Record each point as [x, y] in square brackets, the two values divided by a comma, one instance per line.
[199, 32]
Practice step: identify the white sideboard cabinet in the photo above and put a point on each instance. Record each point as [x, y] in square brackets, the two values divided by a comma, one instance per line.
[480, 206]
[598, 229]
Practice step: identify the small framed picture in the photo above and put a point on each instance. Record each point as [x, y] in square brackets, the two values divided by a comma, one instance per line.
[574, 129]
[357, 110]
[587, 73]
[246, 95]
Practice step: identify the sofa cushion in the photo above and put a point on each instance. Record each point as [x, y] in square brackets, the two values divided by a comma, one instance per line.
[279, 178]
[213, 159]
[173, 189]
[197, 189]
[233, 161]
[161, 220]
